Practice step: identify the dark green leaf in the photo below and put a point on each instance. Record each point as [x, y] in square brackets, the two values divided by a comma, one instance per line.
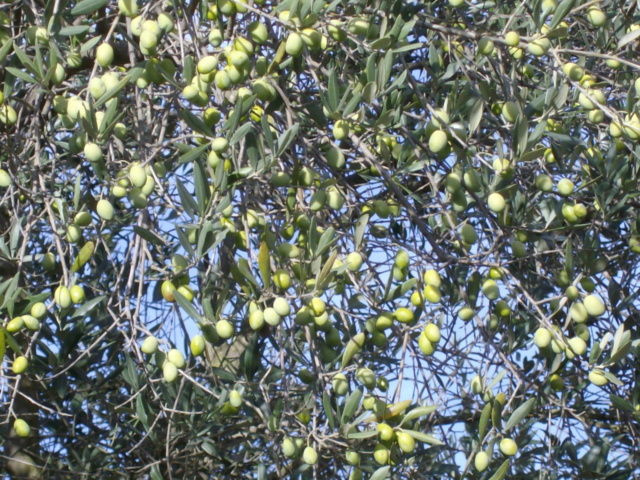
[381, 473]
[188, 203]
[502, 471]
[192, 154]
[201, 188]
[484, 421]
[519, 414]
[286, 138]
[328, 409]
[88, 306]
[149, 235]
[88, 6]
[351, 406]
[188, 307]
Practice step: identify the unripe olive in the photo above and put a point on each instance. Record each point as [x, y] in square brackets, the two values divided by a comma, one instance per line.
[508, 447]
[176, 357]
[432, 332]
[596, 17]
[542, 337]
[289, 448]
[512, 39]
[406, 442]
[149, 345]
[104, 209]
[77, 294]
[21, 428]
[481, 461]
[340, 129]
[340, 384]
[438, 141]
[496, 202]
[62, 297]
[138, 175]
[310, 456]
[169, 372]
[294, 44]
[38, 310]
[594, 306]
[225, 329]
[168, 289]
[597, 378]
[5, 179]
[539, 46]
[271, 317]
[20, 364]
[490, 289]
[104, 55]
[425, 346]
[381, 454]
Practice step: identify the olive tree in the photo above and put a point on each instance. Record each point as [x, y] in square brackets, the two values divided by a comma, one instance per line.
[358, 239]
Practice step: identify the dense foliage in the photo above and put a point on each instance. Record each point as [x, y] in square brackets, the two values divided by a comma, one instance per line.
[358, 239]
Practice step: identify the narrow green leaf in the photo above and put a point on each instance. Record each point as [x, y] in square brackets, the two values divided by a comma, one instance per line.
[88, 306]
[328, 409]
[327, 238]
[622, 351]
[519, 414]
[612, 378]
[502, 471]
[21, 75]
[74, 30]
[9, 293]
[149, 235]
[267, 134]
[286, 138]
[496, 379]
[241, 133]
[243, 266]
[113, 91]
[619, 403]
[361, 435]
[195, 122]
[141, 411]
[11, 342]
[325, 274]
[475, 117]
[595, 353]
[201, 188]
[381, 473]
[129, 372]
[188, 203]
[361, 225]
[187, 306]
[26, 61]
[351, 406]
[561, 12]
[417, 413]
[423, 437]
[192, 154]
[88, 6]
[90, 44]
[333, 91]
[496, 415]
[3, 348]
[484, 421]
[617, 339]
[5, 49]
